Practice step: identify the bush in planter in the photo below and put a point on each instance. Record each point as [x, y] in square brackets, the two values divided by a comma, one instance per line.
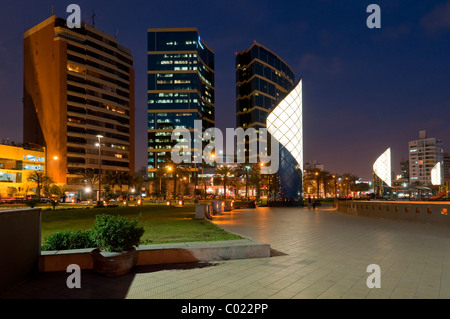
[69, 240]
[116, 234]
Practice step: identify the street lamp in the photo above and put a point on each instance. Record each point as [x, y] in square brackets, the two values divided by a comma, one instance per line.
[99, 144]
[247, 168]
[317, 182]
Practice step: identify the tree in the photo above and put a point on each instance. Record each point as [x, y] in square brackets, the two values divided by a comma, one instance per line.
[56, 190]
[243, 170]
[11, 191]
[255, 178]
[90, 177]
[349, 181]
[227, 175]
[326, 178]
[40, 180]
[111, 178]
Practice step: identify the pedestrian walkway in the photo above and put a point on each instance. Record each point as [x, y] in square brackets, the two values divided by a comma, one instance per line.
[317, 253]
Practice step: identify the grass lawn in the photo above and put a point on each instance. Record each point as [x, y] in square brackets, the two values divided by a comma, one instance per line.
[162, 224]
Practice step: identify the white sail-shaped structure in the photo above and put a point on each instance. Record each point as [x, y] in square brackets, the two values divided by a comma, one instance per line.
[382, 167]
[285, 123]
[436, 174]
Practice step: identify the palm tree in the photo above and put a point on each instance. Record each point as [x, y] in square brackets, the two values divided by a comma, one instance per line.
[137, 181]
[349, 180]
[326, 178]
[41, 180]
[227, 175]
[242, 170]
[255, 178]
[111, 178]
[90, 177]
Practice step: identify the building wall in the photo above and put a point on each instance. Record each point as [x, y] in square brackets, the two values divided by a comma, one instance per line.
[45, 104]
[423, 155]
[78, 83]
[20, 233]
[425, 212]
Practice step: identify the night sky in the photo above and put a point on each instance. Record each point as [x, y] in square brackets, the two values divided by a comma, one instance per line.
[364, 90]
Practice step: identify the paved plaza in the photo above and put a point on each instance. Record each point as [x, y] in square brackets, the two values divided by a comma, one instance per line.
[315, 254]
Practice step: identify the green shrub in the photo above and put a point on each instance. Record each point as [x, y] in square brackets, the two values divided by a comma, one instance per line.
[115, 233]
[69, 240]
[31, 203]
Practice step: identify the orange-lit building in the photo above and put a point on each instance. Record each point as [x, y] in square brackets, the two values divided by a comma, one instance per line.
[78, 84]
[17, 163]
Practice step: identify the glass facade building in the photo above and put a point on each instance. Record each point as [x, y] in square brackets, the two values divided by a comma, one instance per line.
[180, 89]
[263, 80]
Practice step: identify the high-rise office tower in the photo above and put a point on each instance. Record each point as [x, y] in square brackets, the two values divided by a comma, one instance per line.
[180, 90]
[424, 153]
[263, 80]
[78, 84]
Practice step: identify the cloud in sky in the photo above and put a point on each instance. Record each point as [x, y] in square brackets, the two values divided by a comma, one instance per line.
[438, 19]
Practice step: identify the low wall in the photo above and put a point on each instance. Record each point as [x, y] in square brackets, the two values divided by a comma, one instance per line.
[162, 254]
[20, 245]
[426, 212]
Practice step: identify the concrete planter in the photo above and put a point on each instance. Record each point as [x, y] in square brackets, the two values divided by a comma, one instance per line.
[113, 264]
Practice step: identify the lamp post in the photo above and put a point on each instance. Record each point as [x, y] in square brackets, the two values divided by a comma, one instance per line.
[169, 168]
[246, 180]
[335, 193]
[99, 144]
[317, 182]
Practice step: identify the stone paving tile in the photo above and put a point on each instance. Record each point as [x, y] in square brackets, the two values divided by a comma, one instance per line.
[318, 254]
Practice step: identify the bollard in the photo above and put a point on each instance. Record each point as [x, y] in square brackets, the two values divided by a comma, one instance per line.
[200, 211]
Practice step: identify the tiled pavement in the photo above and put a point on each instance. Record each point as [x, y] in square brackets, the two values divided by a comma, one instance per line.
[316, 254]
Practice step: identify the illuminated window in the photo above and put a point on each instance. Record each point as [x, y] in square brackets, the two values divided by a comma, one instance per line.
[76, 68]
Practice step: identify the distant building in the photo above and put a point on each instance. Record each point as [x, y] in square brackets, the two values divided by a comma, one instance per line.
[78, 84]
[312, 165]
[404, 169]
[447, 167]
[17, 163]
[424, 153]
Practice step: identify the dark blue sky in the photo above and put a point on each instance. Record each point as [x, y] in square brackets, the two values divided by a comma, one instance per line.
[363, 89]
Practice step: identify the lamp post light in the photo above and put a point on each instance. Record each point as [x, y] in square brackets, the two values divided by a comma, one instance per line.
[99, 144]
